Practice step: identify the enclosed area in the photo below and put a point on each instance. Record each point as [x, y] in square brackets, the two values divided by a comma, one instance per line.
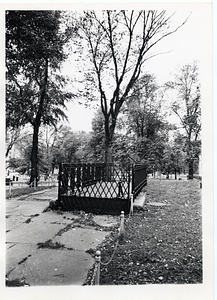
[99, 188]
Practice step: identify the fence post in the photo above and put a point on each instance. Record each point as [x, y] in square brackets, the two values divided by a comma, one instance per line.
[131, 204]
[121, 233]
[133, 179]
[97, 261]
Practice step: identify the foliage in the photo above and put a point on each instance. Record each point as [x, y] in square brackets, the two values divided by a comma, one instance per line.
[22, 162]
[12, 136]
[173, 160]
[32, 39]
[15, 163]
[122, 145]
[187, 107]
[146, 123]
[143, 107]
[34, 87]
[71, 147]
[55, 147]
[97, 139]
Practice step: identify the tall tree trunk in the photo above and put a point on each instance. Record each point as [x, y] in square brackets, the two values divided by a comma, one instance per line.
[34, 155]
[109, 133]
[191, 162]
[36, 125]
[190, 169]
[108, 153]
[108, 160]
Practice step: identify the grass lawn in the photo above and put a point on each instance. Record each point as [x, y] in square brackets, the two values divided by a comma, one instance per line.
[162, 244]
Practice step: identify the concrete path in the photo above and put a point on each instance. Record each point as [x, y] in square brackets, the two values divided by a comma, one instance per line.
[140, 200]
[49, 248]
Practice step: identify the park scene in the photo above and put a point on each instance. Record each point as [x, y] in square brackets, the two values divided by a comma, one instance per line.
[103, 148]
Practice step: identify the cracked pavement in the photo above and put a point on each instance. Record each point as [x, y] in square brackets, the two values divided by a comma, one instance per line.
[64, 238]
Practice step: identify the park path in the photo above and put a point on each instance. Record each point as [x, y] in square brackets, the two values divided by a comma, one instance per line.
[64, 239]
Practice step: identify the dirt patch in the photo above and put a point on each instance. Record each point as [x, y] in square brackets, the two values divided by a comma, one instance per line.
[50, 245]
[30, 219]
[84, 220]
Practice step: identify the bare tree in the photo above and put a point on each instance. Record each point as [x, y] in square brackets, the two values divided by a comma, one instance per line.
[119, 43]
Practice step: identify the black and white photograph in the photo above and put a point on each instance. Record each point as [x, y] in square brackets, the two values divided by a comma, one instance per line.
[108, 137]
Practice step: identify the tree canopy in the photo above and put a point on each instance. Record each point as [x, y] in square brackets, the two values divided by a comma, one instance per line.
[34, 51]
[187, 107]
[34, 86]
